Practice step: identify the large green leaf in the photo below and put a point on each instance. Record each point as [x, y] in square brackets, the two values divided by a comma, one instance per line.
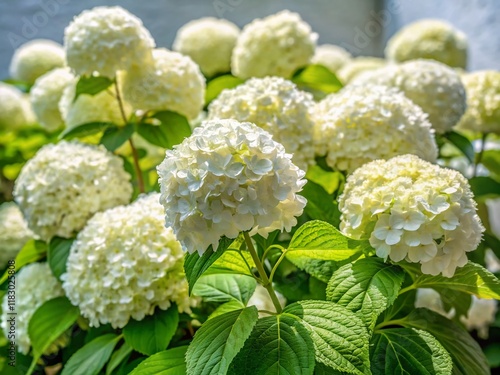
[232, 261]
[115, 136]
[153, 333]
[216, 85]
[118, 357]
[165, 129]
[32, 251]
[218, 341]
[85, 130]
[484, 187]
[328, 180]
[317, 79]
[408, 351]
[168, 362]
[462, 143]
[225, 288]
[366, 287]
[340, 338]
[232, 305]
[58, 254]
[320, 204]
[91, 85]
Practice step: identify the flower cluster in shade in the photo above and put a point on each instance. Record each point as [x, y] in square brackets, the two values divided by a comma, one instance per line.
[483, 102]
[209, 42]
[429, 39]
[105, 40]
[171, 82]
[64, 184]
[358, 65]
[35, 58]
[414, 210]
[125, 263]
[226, 178]
[35, 285]
[363, 123]
[276, 105]
[433, 86]
[273, 46]
[331, 56]
[14, 232]
[15, 109]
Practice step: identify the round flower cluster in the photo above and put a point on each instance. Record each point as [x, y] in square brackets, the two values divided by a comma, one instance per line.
[35, 285]
[429, 39]
[331, 56]
[15, 111]
[483, 102]
[199, 39]
[64, 184]
[105, 40]
[273, 46]
[172, 82]
[277, 106]
[36, 58]
[124, 263]
[428, 298]
[228, 177]
[363, 123]
[414, 210]
[433, 86]
[14, 232]
[46, 94]
[358, 65]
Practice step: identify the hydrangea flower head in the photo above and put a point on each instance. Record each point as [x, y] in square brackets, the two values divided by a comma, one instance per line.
[226, 178]
[331, 56]
[14, 110]
[358, 65]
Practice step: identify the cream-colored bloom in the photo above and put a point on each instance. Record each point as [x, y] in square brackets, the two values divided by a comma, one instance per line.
[358, 65]
[276, 105]
[64, 184]
[481, 314]
[106, 40]
[124, 264]
[273, 46]
[331, 56]
[414, 210]
[429, 39]
[228, 177]
[172, 82]
[36, 58]
[14, 111]
[363, 123]
[14, 232]
[209, 42]
[262, 300]
[35, 285]
[430, 299]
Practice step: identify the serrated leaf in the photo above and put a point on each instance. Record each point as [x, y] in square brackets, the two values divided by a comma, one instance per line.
[118, 357]
[462, 143]
[339, 336]
[232, 262]
[171, 130]
[408, 351]
[317, 79]
[217, 85]
[85, 130]
[320, 204]
[366, 287]
[91, 85]
[225, 287]
[116, 136]
[232, 305]
[217, 342]
[153, 333]
[58, 253]
[32, 251]
[484, 187]
[168, 362]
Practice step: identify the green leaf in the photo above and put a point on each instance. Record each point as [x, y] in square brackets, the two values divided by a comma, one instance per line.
[232, 305]
[58, 254]
[330, 181]
[408, 351]
[462, 143]
[91, 358]
[216, 85]
[232, 262]
[340, 338]
[85, 130]
[116, 136]
[168, 130]
[31, 252]
[118, 357]
[318, 80]
[491, 160]
[91, 85]
[279, 344]
[152, 334]
[218, 341]
[366, 287]
[168, 362]
[225, 287]
[484, 187]
[320, 204]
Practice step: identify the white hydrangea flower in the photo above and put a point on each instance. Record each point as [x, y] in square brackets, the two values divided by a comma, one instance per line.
[360, 124]
[414, 210]
[226, 178]
[277, 106]
[273, 46]
[35, 58]
[172, 82]
[35, 285]
[481, 314]
[331, 56]
[429, 39]
[358, 65]
[46, 94]
[64, 184]
[106, 40]
[14, 232]
[209, 42]
[262, 300]
[125, 263]
[430, 299]
[483, 102]
[14, 111]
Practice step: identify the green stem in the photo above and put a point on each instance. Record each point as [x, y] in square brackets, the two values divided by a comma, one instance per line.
[396, 322]
[407, 289]
[480, 154]
[273, 271]
[266, 283]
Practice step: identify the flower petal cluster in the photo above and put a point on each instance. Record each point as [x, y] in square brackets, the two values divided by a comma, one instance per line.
[36, 58]
[35, 285]
[200, 38]
[363, 123]
[125, 263]
[429, 39]
[15, 112]
[358, 65]
[64, 184]
[277, 106]
[273, 46]
[414, 210]
[430, 299]
[480, 316]
[106, 40]
[171, 82]
[331, 56]
[228, 177]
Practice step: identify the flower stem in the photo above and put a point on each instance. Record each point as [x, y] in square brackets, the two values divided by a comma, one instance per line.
[266, 283]
[480, 154]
